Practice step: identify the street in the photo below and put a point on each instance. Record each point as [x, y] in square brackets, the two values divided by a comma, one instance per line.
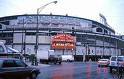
[75, 70]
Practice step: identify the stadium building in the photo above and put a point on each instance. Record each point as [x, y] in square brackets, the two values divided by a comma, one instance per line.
[65, 34]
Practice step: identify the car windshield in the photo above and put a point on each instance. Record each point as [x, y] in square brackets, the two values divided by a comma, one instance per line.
[113, 59]
[120, 58]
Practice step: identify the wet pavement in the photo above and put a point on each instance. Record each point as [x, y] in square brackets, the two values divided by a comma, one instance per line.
[76, 70]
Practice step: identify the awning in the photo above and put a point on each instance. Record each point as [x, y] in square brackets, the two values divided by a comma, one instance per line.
[11, 50]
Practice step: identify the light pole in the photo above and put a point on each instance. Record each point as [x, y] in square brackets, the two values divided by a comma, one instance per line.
[42, 7]
[37, 27]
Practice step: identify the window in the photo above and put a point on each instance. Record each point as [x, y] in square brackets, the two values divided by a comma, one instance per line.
[9, 63]
[8, 41]
[99, 30]
[53, 33]
[1, 49]
[1, 62]
[7, 34]
[105, 31]
[0, 26]
[120, 59]
[30, 33]
[20, 63]
[113, 59]
[104, 60]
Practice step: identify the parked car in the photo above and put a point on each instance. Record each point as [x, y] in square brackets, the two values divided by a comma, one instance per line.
[68, 58]
[117, 63]
[103, 62]
[11, 68]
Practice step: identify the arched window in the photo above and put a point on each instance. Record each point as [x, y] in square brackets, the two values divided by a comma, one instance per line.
[105, 31]
[99, 30]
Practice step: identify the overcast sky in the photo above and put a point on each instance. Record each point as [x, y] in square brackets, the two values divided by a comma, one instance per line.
[90, 9]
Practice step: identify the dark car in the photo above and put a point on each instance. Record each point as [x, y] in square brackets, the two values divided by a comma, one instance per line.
[11, 68]
[55, 59]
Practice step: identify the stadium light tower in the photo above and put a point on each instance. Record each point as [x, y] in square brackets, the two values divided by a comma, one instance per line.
[37, 26]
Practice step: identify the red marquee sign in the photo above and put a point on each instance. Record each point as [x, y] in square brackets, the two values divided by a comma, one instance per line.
[63, 41]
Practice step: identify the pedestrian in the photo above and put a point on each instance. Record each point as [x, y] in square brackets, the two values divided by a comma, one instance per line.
[32, 59]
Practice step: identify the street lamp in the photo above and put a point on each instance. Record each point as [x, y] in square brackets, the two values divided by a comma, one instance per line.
[42, 7]
[37, 26]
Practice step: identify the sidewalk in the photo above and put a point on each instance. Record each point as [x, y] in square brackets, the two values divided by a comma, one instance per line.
[39, 65]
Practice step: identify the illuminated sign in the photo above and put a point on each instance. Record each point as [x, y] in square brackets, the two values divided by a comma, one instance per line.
[63, 41]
